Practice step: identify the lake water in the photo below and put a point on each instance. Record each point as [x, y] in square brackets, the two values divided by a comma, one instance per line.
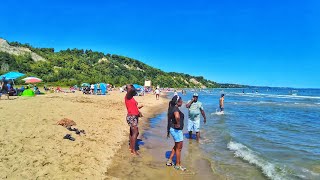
[265, 133]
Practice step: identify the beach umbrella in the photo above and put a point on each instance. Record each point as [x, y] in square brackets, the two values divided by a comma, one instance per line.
[32, 80]
[12, 75]
[85, 84]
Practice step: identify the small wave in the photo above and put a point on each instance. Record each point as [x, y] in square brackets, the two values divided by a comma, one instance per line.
[269, 169]
[311, 172]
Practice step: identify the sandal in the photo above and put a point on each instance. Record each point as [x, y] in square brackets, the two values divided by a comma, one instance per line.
[71, 129]
[180, 168]
[68, 136]
[169, 162]
[77, 131]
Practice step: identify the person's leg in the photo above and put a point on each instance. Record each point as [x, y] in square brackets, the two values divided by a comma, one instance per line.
[190, 128]
[130, 135]
[173, 151]
[198, 136]
[197, 128]
[129, 121]
[178, 153]
[133, 141]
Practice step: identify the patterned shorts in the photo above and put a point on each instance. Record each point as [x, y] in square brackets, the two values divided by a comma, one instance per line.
[132, 120]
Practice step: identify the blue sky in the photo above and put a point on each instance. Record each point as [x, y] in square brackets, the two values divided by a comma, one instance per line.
[273, 43]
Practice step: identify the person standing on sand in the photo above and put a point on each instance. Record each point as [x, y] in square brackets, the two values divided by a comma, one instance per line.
[92, 89]
[4, 87]
[221, 103]
[175, 127]
[195, 109]
[157, 91]
[132, 117]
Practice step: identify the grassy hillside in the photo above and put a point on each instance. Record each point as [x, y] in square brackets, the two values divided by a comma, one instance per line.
[74, 66]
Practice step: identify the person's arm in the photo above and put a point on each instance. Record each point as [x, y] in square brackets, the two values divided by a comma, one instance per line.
[204, 116]
[177, 117]
[168, 126]
[140, 114]
[189, 103]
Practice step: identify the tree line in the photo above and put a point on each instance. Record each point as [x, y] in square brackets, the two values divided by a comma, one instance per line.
[74, 66]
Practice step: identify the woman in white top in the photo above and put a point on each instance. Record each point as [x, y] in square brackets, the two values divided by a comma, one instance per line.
[92, 88]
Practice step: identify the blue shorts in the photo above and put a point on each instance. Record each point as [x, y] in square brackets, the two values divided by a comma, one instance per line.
[176, 134]
[194, 125]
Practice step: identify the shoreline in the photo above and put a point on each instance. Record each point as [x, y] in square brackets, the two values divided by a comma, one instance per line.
[154, 148]
[33, 146]
[123, 154]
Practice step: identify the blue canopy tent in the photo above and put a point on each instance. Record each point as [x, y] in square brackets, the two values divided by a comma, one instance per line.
[85, 85]
[102, 90]
[139, 89]
[11, 75]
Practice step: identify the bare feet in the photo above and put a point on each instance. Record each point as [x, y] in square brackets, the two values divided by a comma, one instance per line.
[134, 153]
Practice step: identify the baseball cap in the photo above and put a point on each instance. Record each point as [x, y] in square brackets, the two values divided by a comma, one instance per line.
[195, 94]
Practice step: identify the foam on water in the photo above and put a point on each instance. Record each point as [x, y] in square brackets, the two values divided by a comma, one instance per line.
[277, 96]
[269, 169]
[283, 104]
[218, 113]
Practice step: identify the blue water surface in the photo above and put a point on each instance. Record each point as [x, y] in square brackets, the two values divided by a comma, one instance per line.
[265, 133]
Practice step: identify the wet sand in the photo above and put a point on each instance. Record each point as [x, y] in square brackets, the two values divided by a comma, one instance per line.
[155, 148]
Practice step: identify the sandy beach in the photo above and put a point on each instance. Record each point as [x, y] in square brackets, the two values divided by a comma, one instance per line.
[32, 144]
